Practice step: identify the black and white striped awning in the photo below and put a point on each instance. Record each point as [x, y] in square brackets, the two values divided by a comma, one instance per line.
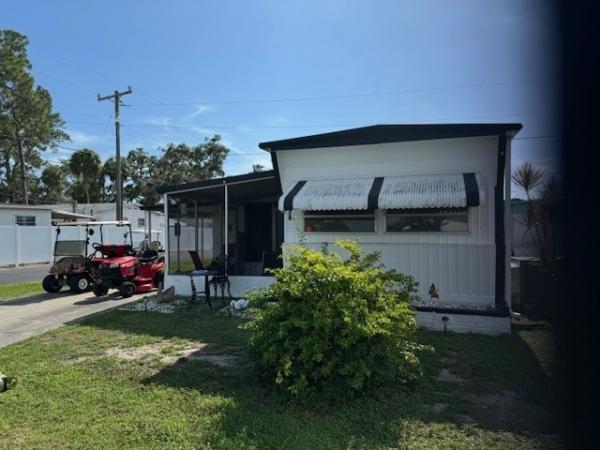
[393, 192]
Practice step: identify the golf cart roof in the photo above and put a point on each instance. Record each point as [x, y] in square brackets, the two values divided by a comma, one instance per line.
[119, 223]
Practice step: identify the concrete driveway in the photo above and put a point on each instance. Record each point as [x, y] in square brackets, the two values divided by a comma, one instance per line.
[27, 273]
[25, 317]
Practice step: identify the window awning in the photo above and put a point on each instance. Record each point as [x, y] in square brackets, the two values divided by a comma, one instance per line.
[431, 191]
[394, 192]
[327, 195]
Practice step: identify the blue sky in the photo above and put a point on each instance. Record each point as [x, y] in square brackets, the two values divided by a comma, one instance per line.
[263, 70]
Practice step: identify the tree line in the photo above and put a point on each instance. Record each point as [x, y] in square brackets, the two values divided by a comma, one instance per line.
[30, 126]
[84, 178]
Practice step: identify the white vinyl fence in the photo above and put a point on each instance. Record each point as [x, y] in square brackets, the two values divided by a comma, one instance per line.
[30, 245]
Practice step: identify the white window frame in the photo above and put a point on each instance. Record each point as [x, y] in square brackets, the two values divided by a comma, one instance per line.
[17, 217]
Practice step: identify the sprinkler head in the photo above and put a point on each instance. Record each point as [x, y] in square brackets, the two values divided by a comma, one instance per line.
[445, 319]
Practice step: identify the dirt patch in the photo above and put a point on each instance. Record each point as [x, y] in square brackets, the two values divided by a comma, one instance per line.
[464, 418]
[446, 376]
[217, 360]
[169, 353]
[447, 361]
[439, 407]
[512, 410]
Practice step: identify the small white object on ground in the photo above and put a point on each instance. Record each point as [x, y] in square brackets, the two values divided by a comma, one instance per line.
[242, 303]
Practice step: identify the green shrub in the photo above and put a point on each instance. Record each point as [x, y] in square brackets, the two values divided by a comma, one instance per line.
[329, 325]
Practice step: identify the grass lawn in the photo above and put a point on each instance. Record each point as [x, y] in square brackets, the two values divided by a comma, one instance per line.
[16, 290]
[115, 381]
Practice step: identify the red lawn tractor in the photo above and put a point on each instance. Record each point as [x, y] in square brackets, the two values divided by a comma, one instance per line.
[126, 269]
[74, 265]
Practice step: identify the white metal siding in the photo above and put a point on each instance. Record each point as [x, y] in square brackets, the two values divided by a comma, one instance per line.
[460, 264]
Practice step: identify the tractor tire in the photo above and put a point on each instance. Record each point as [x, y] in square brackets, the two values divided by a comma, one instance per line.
[127, 289]
[51, 284]
[159, 278]
[100, 290]
[79, 283]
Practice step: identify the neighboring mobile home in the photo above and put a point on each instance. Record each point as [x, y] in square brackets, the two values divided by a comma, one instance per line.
[430, 198]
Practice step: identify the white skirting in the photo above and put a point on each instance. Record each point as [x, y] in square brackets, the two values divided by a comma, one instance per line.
[460, 323]
[240, 285]
[463, 323]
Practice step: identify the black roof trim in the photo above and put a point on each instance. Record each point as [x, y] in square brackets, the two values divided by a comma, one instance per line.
[216, 182]
[378, 134]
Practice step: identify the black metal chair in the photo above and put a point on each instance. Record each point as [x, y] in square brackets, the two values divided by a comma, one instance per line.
[196, 260]
[222, 265]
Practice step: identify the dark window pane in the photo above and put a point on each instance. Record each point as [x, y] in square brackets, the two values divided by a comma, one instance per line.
[339, 224]
[427, 222]
[26, 221]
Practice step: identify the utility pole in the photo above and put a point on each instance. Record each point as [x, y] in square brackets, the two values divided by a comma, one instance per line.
[116, 97]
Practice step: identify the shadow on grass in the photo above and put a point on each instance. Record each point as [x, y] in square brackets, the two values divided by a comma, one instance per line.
[504, 388]
[38, 298]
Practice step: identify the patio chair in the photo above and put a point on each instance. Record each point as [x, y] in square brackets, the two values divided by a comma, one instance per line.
[196, 260]
[222, 265]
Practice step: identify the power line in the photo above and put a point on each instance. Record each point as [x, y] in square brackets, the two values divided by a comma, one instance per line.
[343, 96]
[263, 153]
[154, 125]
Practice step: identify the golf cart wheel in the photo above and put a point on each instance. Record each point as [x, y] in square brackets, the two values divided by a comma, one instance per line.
[100, 290]
[51, 284]
[127, 289]
[79, 283]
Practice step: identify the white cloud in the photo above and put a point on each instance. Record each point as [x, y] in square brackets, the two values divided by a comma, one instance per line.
[162, 121]
[82, 138]
[201, 109]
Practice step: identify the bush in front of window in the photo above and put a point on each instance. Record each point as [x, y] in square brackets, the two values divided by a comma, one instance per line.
[337, 326]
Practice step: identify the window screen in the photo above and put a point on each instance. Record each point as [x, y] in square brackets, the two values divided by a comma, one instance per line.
[430, 221]
[340, 222]
[70, 248]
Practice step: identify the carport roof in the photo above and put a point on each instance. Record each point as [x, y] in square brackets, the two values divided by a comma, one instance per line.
[234, 179]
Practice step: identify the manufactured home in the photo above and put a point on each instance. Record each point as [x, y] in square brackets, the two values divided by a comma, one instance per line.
[434, 200]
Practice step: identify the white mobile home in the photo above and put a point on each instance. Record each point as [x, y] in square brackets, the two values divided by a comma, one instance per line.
[430, 198]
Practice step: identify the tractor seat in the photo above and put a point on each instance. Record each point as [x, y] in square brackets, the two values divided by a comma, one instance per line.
[149, 256]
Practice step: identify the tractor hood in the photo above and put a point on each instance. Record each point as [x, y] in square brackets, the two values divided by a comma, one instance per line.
[121, 261]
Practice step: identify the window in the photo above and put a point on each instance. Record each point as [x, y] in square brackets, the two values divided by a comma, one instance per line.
[141, 222]
[450, 220]
[339, 221]
[27, 221]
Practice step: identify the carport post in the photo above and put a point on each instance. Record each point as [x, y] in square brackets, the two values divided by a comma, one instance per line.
[166, 213]
[18, 243]
[196, 225]
[202, 237]
[149, 225]
[225, 227]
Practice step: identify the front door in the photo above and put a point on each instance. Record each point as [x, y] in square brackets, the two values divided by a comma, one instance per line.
[259, 230]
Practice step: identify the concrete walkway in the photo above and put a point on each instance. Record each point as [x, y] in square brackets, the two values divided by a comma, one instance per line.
[25, 317]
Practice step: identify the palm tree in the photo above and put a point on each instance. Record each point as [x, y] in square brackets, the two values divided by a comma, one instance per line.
[85, 166]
